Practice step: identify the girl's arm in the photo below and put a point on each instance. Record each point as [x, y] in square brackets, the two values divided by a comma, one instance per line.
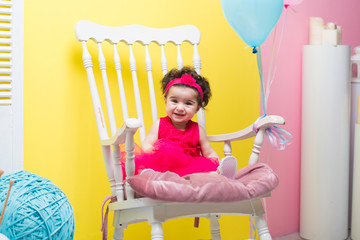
[148, 143]
[206, 149]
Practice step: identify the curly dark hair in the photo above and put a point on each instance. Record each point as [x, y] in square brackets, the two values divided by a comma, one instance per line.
[202, 81]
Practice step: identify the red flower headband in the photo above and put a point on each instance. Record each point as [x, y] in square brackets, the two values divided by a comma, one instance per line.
[186, 79]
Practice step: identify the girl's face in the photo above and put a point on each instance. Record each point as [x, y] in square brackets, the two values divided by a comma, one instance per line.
[181, 105]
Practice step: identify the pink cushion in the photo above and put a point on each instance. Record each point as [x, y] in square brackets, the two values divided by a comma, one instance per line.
[250, 182]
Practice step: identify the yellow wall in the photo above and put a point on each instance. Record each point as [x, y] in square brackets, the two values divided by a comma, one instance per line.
[61, 141]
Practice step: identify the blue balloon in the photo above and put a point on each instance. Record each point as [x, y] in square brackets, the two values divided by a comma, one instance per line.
[252, 20]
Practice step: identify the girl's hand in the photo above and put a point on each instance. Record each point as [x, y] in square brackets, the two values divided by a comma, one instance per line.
[148, 149]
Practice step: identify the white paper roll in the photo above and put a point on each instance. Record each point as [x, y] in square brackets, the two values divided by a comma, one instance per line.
[355, 91]
[355, 213]
[325, 142]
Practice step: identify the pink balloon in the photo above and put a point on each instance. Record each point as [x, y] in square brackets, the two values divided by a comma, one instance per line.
[288, 3]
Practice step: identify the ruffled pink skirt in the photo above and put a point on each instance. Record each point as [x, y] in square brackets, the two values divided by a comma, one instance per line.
[168, 156]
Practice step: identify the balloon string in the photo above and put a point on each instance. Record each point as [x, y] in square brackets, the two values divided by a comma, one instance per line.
[272, 73]
[278, 137]
[267, 90]
[259, 63]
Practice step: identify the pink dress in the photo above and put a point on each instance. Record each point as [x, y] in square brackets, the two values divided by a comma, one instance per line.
[176, 151]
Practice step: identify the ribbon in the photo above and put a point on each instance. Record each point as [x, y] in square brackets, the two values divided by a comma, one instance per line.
[279, 138]
[104, 218]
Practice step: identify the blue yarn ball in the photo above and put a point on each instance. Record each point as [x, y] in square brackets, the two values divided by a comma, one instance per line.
[36, 209]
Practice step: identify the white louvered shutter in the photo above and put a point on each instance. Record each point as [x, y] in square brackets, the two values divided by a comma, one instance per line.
[11, 85]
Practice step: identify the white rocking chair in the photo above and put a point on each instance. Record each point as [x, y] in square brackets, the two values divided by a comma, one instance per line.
[128, 210]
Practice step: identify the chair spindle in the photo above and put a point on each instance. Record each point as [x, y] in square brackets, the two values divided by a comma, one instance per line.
[116, 180]
[197, 66]
[258, 142]
[109, 105]
[151, 84]
[129, 163]
[139, 112]
[121, 84]
[163, 60]
[109, 167]
[227, 148]
[99, 116]
[179, 59]
[196, 59]
[118, 174]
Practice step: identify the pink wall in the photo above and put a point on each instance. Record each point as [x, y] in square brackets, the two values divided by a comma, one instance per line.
[285, 100]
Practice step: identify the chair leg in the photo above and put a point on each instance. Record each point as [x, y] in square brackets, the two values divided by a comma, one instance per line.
[262, 228]
[215, 228]
[118, 228]
[119, 232]
[157, 232]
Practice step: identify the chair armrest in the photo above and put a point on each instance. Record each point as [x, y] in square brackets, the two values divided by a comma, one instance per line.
[248, 132]
[131, 124]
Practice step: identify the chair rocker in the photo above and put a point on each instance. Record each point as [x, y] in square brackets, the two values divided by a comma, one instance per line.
[128, 209]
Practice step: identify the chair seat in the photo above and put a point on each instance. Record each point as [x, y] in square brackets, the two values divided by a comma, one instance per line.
[250, 182]
[146, 209]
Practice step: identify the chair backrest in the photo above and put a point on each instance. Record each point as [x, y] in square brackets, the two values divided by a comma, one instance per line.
[131, 34]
